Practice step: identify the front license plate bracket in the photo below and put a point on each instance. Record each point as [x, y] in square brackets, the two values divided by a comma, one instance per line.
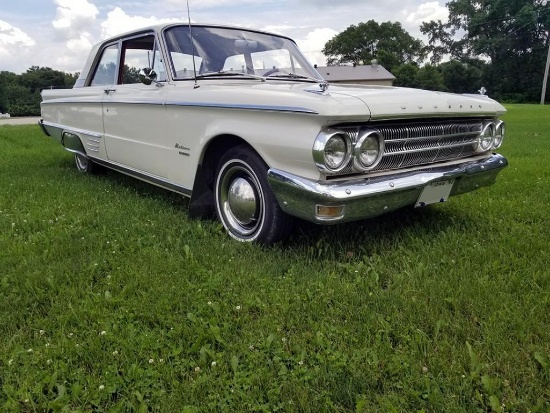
[435, 192]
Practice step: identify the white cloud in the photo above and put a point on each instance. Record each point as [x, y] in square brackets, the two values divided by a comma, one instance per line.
[212, 4]
[428, 11]
[118, 22]
[280, 29]
[12, 37]
[75, 53]
[313, 44]
[16, 48]
[73, 17]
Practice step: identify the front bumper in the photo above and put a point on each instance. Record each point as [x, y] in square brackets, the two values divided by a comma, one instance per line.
[370, 197]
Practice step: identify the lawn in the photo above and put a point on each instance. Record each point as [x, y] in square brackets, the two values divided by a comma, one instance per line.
[113, 299]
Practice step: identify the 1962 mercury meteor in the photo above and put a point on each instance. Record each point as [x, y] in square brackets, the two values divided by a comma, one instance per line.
[241, 123]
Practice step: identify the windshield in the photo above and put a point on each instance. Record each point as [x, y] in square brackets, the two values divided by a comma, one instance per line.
[225, 51]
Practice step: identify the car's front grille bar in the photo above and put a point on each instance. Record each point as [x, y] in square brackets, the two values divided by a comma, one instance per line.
[421, 143]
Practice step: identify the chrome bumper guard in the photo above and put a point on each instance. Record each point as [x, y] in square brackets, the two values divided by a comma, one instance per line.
[370, 197]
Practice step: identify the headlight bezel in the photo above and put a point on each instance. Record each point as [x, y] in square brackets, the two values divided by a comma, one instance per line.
[367, 135]
[320, 155]
[500, 133]
[484, 141]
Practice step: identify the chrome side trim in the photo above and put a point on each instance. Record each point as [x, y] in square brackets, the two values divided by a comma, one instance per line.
[144, 176]
[70, 129]
[270, 108]
[370, 197]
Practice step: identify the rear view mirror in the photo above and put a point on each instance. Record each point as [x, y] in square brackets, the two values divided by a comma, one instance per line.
[246, 44]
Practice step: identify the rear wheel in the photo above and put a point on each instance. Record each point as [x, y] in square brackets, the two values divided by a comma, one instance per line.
[83, 164]
[245, 204]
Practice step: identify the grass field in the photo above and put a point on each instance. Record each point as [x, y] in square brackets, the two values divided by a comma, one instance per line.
[112, 299]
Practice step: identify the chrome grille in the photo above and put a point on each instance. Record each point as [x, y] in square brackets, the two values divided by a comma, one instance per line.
[421, 143]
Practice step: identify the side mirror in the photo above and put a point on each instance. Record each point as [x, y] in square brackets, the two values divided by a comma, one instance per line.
[147, 76]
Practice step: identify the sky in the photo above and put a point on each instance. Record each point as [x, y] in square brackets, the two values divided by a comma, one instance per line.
[60, 33]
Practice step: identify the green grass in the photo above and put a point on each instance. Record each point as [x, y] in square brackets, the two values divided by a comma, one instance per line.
[112, 299]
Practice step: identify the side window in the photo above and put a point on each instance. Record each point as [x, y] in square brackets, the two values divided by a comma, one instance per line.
[105, 72]
[140, 53]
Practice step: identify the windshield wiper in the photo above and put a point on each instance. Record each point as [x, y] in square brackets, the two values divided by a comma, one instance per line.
[223, 73]
[295, 76]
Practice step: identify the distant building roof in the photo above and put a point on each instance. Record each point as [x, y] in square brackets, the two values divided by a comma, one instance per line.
[354, 73]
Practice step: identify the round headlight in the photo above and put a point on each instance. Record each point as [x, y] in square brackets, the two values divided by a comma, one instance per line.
[336, 152]
[368, 150]
[499, 134]
[486, 137]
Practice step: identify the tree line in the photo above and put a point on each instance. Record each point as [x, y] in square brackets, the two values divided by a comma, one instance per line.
[20, 94]
[497, 44]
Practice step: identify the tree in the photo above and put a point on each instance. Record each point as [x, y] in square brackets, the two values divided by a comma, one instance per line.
[461, 77]
[387, 42]
[512, 35]
[3, 96]
[20, 94]
[429, 77]
[38, 78]
[405, 75]
[6, 79]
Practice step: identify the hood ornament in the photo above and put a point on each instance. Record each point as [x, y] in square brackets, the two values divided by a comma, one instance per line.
[322, 90]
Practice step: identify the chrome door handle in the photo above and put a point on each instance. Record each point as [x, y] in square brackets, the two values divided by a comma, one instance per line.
[109, 90]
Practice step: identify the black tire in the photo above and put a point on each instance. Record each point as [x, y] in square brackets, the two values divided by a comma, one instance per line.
[83, 164]
[245, 203]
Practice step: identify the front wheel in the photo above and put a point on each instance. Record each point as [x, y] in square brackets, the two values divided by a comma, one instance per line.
[245, 204]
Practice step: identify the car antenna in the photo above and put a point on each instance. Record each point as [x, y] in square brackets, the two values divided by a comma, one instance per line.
[192, 46]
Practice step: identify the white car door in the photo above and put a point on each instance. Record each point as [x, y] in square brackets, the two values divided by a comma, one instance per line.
[134, 114]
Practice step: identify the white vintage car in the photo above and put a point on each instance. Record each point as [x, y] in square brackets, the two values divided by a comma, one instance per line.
[240, 122]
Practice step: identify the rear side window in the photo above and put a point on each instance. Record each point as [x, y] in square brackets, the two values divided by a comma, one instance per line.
[106, 71]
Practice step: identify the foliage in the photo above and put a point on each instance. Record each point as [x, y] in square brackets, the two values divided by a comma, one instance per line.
[20, 94]
[130, 75]
[512, 35]
[114, 300]
[387, 42]
[429, 77]
[3, 95]
[461, 77]
[405, 75]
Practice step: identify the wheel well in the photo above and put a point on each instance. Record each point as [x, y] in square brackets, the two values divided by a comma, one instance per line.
[202, 198]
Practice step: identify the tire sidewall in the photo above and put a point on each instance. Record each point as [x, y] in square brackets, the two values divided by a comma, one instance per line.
[258, 172]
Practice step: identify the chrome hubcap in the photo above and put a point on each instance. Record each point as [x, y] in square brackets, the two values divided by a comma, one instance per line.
[242, 202]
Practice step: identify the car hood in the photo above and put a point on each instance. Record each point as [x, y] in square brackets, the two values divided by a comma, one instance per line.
[394, 103]
[342, 103]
